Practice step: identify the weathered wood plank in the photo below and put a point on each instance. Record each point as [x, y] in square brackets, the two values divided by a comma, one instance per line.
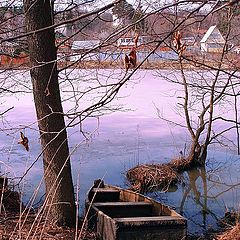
[151, 228]
[153, 220]
[104, 195]
[121, 204]
[105, 190]
[118, 214]
[125, 209]
[151, 233]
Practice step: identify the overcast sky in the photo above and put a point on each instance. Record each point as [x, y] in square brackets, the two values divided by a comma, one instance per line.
[66, 2]
[93, 4]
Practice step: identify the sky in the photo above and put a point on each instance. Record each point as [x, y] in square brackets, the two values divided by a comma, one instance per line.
[148, 5]
[62, 4]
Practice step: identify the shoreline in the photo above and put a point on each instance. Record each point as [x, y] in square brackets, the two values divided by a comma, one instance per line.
[168, 64]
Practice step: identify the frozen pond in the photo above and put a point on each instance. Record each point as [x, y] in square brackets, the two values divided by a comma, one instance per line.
[120, 140]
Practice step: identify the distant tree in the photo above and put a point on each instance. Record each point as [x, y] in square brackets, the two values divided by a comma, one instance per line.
[124, 11]
[139, 20]
[223, 21]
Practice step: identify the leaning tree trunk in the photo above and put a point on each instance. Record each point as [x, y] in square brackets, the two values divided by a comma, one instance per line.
[44, 75]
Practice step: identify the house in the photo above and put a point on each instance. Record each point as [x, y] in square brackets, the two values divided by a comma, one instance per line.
[9, 47]
[80, 50]
[62, 42]
[79, 46]
[12, 54]
[21, 59]
[212, 41]
[236, 49]
[127, 42]
[189, 41]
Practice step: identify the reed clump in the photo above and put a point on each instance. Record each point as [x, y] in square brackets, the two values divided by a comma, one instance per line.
[231, 225]
[232, 233]
[149, 177]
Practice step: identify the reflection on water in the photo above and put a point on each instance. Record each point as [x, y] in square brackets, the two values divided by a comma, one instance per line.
[202, 197]
[206, 194]
[123, 140]
[199, 198]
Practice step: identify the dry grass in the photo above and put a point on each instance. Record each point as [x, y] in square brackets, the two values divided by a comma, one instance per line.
[231, 234]
[18, 222]
[12, 229]
[149, 177]
[180, 164]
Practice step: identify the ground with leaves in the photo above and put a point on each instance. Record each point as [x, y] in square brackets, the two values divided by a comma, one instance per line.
[17, 222]
[16, 226]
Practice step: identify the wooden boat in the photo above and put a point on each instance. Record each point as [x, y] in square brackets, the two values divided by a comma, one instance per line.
[118, 214]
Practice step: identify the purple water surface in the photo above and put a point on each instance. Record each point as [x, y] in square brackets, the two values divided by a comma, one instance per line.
[119, 141]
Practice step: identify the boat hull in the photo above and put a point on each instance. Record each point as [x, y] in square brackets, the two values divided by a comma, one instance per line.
[119, 214]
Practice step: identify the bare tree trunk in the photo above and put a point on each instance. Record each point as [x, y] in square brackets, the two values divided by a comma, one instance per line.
[57, 169]
[195, 150]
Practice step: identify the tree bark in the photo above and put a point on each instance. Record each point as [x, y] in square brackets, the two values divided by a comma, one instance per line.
[44, 75]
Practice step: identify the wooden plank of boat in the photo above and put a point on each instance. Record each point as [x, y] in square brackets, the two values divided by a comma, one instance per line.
[119, 214]
[104, 194]
[125, 209]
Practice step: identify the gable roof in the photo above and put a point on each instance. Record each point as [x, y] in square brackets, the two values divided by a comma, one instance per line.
[210, 32]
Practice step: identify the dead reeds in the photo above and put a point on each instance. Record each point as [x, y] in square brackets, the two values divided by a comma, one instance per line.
[44, 231]
[19, 222]
[231, 234]
[149, 177]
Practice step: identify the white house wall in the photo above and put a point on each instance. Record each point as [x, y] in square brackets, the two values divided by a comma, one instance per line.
[203, 47]
[212, 41]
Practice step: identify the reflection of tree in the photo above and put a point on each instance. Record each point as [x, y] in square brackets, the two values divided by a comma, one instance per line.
[193, 175]
[201, 195]
[228, 188]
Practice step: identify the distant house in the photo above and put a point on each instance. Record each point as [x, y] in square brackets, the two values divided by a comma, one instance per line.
[17, 60]
[189, 41]
[12, 54]
[79, 46]
[9, 47]
[212, 41]
[127, 42]
[236, 49]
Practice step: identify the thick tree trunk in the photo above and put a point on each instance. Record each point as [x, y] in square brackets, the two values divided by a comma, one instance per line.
[57, 169]
[197, 154]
